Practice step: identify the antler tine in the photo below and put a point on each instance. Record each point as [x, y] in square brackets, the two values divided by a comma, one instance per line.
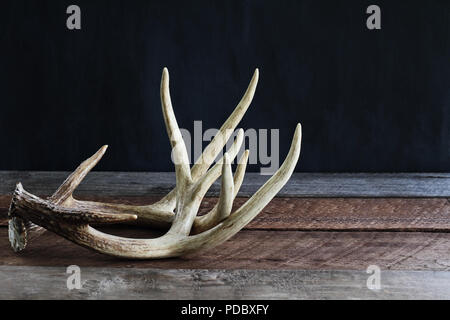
[242, 216]
[20, 228]
[220, 210]
[179, 151]
[240, 172]
[96, 212]
[220, 139]
[205, 182]
[264, 194]
[183, 220]
[65, 191]
[226, 192]
[218, 142]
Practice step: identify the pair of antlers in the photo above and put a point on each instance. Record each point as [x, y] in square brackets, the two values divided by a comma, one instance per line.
[177, 211]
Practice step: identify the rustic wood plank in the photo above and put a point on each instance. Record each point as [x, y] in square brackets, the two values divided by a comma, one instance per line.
[259, 249]
[325, 214]
[116, 283]
[300, 184]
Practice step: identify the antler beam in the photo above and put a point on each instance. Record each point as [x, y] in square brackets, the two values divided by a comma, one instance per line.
[177, 211]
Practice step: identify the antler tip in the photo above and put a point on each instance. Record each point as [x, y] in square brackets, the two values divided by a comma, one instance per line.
[244, 157]
[240, 132]
[297, 139]
[255, 76]
[100, 152]
[298, 129]
[165, 77]
[226, 158]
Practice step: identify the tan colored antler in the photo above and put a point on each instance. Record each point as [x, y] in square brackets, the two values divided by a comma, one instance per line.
[177, 211]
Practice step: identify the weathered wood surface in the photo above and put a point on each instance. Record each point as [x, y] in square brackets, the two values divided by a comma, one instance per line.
[300, 184]
[326, 214]
[114, 283]
[259, 249]
[335, 222]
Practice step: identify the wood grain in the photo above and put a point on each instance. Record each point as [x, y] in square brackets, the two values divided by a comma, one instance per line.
[324, 214]
[114, 283]
[314, 241]
[259, 249]
[300, 184]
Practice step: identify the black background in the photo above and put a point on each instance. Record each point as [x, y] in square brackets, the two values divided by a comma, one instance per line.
[368, 100]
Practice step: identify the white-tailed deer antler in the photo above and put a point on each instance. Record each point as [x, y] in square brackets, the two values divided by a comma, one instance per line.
[177, 211]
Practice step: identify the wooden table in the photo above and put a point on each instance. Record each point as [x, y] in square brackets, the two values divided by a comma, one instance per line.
[314, 241]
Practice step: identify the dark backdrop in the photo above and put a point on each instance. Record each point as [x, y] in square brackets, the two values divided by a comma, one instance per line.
[368, 100]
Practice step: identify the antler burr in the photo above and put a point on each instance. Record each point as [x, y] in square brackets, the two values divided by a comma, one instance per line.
[72, 219]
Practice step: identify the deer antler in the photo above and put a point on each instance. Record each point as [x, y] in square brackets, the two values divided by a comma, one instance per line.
[71, 218]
